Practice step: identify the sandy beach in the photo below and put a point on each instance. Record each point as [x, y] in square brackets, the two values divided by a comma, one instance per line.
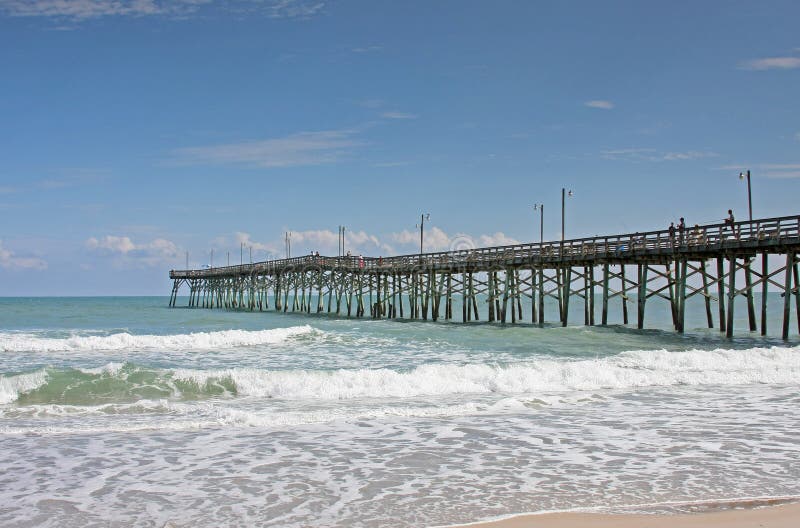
[782, 516]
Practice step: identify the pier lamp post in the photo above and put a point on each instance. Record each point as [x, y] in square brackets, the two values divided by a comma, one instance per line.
[422, 218]
[212, 258]
[564, 194]
[229, 257]
[251, 255]
[540, 208]
[241, 253]
[288, 241]
[742, 176]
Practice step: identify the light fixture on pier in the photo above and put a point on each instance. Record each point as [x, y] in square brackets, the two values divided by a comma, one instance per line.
[540, 207]
[564, 193]
[421, 226]
[742, 176]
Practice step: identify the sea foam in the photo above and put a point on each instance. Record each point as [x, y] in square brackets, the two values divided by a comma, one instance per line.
[10, 342]
[627, 370]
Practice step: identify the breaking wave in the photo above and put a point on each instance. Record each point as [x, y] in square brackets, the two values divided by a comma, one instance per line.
[10, 342]
[628, 370]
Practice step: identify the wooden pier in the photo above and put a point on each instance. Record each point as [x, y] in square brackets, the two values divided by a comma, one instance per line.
[720, 263]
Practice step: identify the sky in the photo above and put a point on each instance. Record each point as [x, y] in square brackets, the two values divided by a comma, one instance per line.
[135, 132]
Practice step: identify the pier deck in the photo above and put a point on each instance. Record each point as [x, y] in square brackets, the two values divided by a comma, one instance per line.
[704, 261]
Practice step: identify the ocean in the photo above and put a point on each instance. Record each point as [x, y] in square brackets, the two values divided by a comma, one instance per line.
[122, 412]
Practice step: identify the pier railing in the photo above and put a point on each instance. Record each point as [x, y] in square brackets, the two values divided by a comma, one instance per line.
[758, 233]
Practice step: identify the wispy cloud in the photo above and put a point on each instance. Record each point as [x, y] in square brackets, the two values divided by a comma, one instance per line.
[305, 148]
[367, 49]
[599, 103]
[10, 261]
[653, 155]
[384, 164]
[436, 239]
[771, 63]
[398, 115]
[157, 252]
[773, 171]
[87, 9]
[79, 10]
[246, 241]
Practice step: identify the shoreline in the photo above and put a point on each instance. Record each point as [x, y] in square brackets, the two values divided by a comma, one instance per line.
[776, 513]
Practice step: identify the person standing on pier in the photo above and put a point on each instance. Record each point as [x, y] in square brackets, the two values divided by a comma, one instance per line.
[672, 234]
[730, 221]
[681, 230]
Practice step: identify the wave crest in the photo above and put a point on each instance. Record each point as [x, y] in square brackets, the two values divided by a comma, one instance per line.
[126, 341]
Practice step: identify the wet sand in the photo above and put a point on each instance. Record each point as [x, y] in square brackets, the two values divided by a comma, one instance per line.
[782, 516]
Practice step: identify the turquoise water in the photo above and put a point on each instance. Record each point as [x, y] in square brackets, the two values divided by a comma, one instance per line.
[122, 411]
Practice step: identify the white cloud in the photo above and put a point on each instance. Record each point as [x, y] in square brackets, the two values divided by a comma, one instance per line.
[158, 251]
[244, 238]
[497, 239]
[367, 49]
[9, 260]
[79, 10]
[398, 115]
[782, 175]
[438, 240]
[111, 243]
[599, 103]
[649, 154]
[775, 171]
[771, 63]
[326, 241]
[305, 148]
[86, 9]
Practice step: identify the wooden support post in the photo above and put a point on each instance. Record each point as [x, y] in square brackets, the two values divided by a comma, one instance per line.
[586, 307]
[765, 281]
[604, 316]
[513, 286]
[787, 294]
[468, 287]
[566, 295]
[671, 285]
[541, 295]
[731, 294]
[505, 298]
[706, 294]
[682, 296]
[748, 282]
[533, 295]
[474, 298]
[560, 273]
[517, 289]
[796, 290]
[496, 297]
[624, 295]
[448, 306]
[721, 293]
[490, 294]
[641, 295]
[591, 295]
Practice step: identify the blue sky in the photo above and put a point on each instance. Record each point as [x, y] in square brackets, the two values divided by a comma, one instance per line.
[132, 132]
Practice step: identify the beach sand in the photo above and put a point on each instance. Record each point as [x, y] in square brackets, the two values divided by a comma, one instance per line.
[783, 516]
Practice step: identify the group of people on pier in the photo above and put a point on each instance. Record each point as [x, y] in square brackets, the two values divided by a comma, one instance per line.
[697, 234]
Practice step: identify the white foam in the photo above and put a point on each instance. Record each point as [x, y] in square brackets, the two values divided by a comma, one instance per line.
[628, 370]
[10, 342]
[12, 386]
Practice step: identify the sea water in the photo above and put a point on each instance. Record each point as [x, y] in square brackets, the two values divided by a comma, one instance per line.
[123, 412]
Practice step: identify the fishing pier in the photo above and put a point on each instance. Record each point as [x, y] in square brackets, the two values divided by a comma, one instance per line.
[720, 263]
